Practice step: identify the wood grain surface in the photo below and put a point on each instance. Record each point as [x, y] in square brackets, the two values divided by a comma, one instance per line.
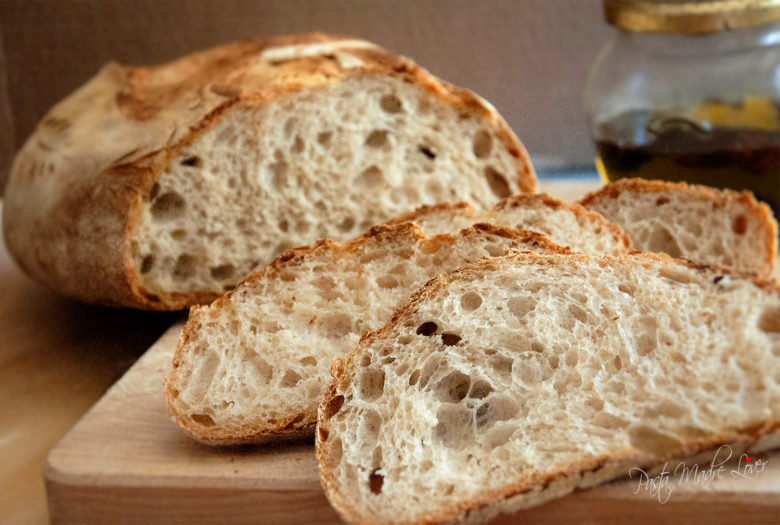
[126, 462]
[57, 357]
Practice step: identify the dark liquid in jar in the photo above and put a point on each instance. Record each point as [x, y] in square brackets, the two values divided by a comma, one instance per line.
[680, 150]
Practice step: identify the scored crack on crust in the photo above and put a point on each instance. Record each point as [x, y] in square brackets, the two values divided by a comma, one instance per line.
[74, 196]
[540, 487]
[302, 425]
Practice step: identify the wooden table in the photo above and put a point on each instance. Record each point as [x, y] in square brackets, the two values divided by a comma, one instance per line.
[57, 357]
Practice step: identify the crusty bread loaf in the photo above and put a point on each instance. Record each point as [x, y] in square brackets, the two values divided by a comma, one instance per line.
[200, 411]
[518, 379]
[699, 223]
[251, 367]
[565, 224]
[160, 187]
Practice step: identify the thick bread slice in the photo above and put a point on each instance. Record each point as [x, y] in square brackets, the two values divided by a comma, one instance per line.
[699, 223]
[518, 379]
[160, 187]
[565, 224]
[252, 366]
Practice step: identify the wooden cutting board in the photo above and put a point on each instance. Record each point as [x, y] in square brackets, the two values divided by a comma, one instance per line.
[126, 462]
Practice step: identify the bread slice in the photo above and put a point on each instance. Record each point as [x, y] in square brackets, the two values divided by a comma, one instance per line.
[565, 224]
[161, 187]
[699, 223]
[252, 366]
[517, 379]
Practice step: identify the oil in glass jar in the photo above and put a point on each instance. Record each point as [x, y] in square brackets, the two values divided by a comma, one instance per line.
[727, 145]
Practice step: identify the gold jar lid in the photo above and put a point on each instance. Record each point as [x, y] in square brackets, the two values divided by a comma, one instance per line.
[690, 17]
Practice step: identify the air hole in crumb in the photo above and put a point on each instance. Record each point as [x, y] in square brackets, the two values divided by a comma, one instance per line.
[390, 104]
[297, 146]
[414, 377]
[480, 389]
[262, 368]
[192, 161]
[333, 406]
[147, 263]
[678, 274]
[184, 267]
[371, 177]
[499, 408]
[739, 225]
[279, 174]
[660, 201]
[284, 225]
[427, 329]
[578, 313]
[769, 321]
[450, 339]
[222, 272]
[377, 139]
[324, 137]
[178, 234]
[454, 387]
[497, 182]
[372, 383]
[289, 126]
[387, 281]
[482, 144]
[404, 339]
[454, 427]
[521, 306]
[371, 424]
[290, 379]
[167, 206]
[203, 420]
[427, 151]
[470, 301]
[495, 251]
[375, 481]
[308, 361]
[323, 433]
[347, 224]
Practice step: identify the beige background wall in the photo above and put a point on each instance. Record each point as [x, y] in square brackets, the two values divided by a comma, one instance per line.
[528, 57]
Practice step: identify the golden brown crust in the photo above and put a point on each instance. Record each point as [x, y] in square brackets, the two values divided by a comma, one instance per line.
[460, 208]
[343, 370]
[75, 191]
[583, 215]
[301, 425]
[759, 210]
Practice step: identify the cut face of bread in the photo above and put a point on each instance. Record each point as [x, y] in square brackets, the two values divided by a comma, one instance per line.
[517, 379]
[565, 224]
[322, 163]
[161, 187]
[251, 367]
[699, 223]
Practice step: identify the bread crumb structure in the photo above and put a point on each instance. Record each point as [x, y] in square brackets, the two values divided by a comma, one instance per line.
[251, 367]
[517, 379]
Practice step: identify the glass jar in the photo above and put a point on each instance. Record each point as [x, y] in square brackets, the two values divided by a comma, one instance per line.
[690, 90]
